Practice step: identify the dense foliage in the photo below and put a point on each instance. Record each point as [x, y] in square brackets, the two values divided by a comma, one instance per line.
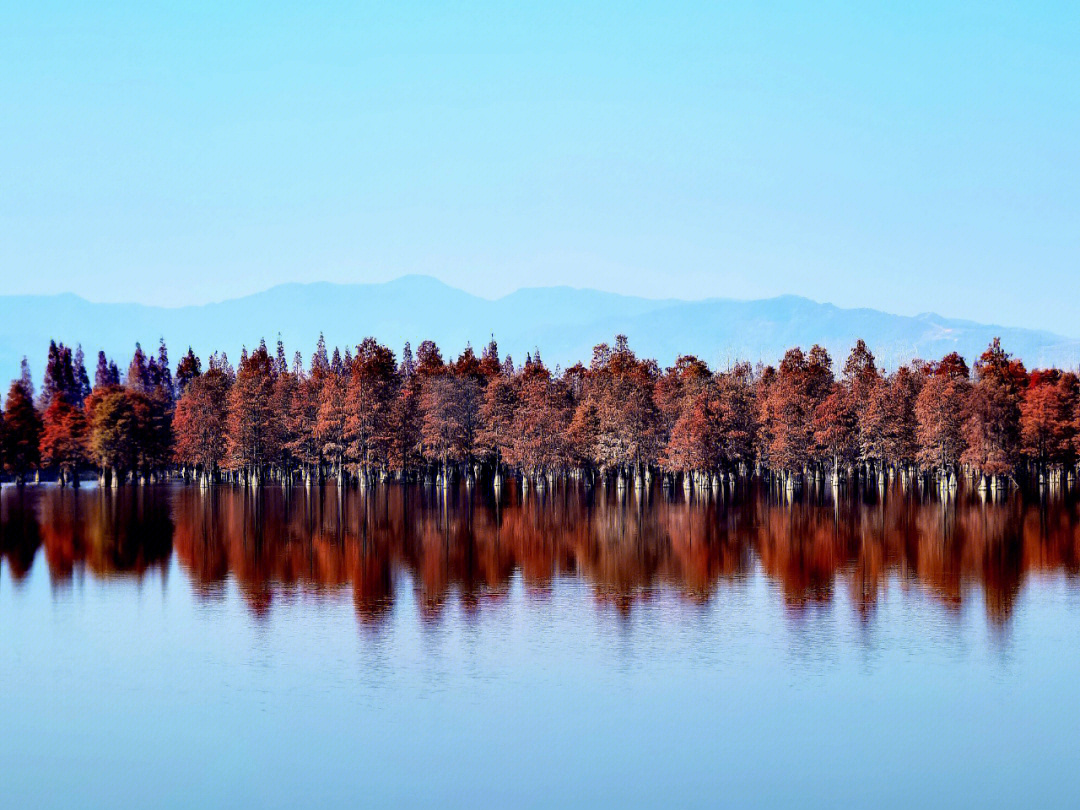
[361, 417]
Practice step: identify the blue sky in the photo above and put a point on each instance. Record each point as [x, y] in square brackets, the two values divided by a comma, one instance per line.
[909, 157]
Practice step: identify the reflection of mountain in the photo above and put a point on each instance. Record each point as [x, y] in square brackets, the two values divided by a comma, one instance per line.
[565, 324]
[467, 549]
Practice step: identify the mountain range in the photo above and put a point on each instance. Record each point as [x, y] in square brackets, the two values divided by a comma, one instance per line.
[563, 323]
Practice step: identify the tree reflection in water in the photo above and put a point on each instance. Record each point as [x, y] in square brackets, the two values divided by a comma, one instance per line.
[467, 546]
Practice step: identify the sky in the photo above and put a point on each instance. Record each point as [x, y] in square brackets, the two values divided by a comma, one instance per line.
[909, 157]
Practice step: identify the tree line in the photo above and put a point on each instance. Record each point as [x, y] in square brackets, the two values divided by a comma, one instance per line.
[362, 416]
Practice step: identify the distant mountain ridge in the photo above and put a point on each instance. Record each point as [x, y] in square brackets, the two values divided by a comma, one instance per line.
[563, 323]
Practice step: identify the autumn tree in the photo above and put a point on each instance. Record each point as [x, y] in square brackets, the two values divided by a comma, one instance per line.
[372, 388]
[675, 394]
[619, 415]
[939, 414]
[497, 416]
[735, 413]
[471, 378]
[836, 428]
[429, 360]
[64, 439]
[113, 416]
[1047, 418]
[692, 440]
[801, 384]
[303, 443]
[490, 367]
[156, 408]
[896, 402]
[620, 424]
[22, 431]
[439, 416]
[992, 413]
[541, 419]
[584, 431]
[406, 420]
[443, 420]
[862, 382]
[282, 427]
[200, 423]
[331, 419]
[249, 402]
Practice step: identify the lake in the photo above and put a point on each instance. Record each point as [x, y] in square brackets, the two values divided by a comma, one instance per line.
[172, 647]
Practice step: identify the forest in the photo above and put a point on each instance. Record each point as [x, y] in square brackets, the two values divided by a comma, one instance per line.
[363, 416]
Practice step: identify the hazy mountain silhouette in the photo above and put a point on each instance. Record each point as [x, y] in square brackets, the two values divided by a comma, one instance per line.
[564, 323]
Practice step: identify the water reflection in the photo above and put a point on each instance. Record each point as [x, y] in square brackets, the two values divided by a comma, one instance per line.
[466, 546]
[107, 536]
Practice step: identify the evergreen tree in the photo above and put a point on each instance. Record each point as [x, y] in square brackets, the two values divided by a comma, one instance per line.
[408, 366]
[162, 378]
[187, 370]
[138, 375]
[59, 377]
[102, 374]
[226, 366]
[320, 362]
[82, 379]
[282, 363]
[489, 361]
[26, 379]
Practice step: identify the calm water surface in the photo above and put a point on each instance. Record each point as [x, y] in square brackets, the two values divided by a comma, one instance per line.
[169, 647]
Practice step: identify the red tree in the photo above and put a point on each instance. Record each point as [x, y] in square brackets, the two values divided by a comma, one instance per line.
[939, 411]
[64, 439]
[249, 435]
[992, 415]
[22, 432]
[200, 423]
[1047, 422]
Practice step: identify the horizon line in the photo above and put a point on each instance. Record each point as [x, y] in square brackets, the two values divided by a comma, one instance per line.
[584, 289]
